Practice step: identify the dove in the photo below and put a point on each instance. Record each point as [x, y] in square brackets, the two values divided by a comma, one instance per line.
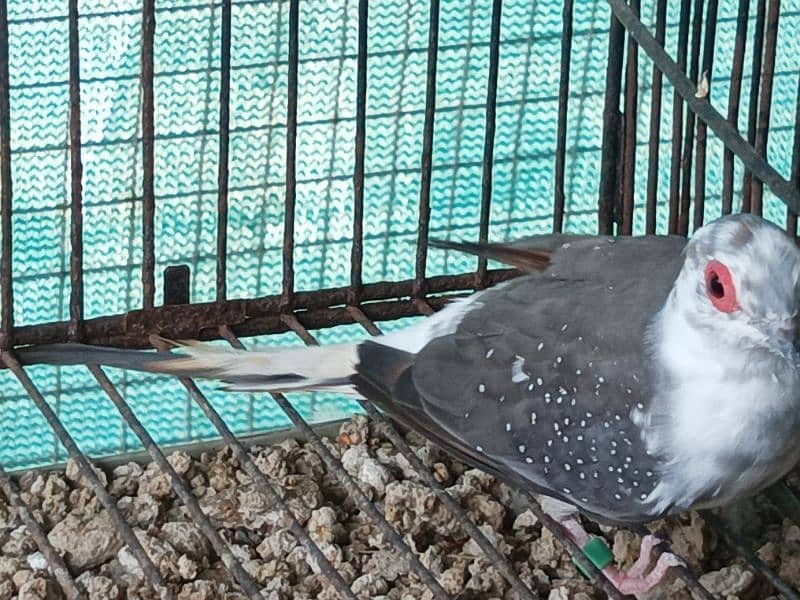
[623, 378]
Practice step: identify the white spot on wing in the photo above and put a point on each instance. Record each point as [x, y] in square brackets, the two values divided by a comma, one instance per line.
[517, 374]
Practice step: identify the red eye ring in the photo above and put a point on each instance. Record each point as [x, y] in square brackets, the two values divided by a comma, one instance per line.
[719, 287]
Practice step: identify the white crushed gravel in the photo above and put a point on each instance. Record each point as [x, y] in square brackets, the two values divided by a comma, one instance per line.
[84, 534]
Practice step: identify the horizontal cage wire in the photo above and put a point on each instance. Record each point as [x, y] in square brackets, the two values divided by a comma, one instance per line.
[281, 95]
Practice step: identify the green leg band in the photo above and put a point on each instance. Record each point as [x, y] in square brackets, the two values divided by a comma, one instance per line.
[598, 553]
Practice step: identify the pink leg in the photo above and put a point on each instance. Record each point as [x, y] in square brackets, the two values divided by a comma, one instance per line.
[645, 560]
[634, 580]
[639, 584]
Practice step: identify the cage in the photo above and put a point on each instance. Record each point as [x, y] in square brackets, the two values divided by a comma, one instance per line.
[274, 170]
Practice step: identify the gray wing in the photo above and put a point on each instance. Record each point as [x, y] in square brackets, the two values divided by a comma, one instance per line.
[540, 378]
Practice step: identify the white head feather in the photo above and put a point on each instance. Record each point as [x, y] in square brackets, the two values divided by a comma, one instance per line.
[727, 405]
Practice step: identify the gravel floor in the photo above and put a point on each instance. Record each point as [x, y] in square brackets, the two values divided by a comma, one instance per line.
[82, 531]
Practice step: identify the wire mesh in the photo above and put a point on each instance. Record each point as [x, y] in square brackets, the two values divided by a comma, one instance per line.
[298, 311]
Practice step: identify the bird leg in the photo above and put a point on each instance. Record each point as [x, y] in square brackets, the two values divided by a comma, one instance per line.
[635, 580]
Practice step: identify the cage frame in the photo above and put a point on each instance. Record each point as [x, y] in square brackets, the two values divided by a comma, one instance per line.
[298, 312]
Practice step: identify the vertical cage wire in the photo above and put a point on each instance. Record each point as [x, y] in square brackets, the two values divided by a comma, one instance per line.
[765, 99]
[426, 168]
[752, 111]
[148, 154]
[488, 140]
[611, 209]
[706, 75]
[610, 161]
[559, 200]
[224, 151]
[734, 98]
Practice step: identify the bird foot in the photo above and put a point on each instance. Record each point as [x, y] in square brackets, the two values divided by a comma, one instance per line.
[640, 578]
[637, 580]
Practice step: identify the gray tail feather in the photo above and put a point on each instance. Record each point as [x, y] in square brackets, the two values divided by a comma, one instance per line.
[288, 369]
[84, 354]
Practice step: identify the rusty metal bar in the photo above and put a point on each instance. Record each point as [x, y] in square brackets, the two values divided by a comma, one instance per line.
[781, 187]
[148, 155]
[178, 486]
[334, 466]
[655, 126]
[357, 253]
[752, 111]
[559, 202]
[151, 573]
[420, 279]
[688, 136]
[287, 299]
[791, 219]
[765, 101]
[76, 177]
[54, 560]
[629, 128]
[706, 70]
[488, 140]
[289, 521]
[322, 308]
[677, 122]
[610, 160]
[734, 96]
[224, 150]
[363, 320]
[6, 255]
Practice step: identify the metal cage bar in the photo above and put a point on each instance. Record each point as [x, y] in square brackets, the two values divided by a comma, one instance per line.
[224, 151]
[178, 486]
[610, 161]
[559, 200]
[151, 573]
[6, 195]
[655, 126]
[362, 502]
[363, 304]
[148, 154]
[76, 176]
[688, 135]
[629, 132]
[780, 186]
[494, 556]
[734, 98]
[794, 175]
[677, 122]
[54, 560]
[287, 298]
[765, 99]
[262, 483]
[420, 278]
[706, 71]
[488, 141]
[357, 252]
[752, 115]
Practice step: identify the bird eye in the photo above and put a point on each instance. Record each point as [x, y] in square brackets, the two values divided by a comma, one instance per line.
[719, 287]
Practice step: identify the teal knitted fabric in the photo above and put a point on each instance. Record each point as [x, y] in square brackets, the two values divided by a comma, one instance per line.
[187, 50]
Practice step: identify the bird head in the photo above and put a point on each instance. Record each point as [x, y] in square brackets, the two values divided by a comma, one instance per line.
[740, 284]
